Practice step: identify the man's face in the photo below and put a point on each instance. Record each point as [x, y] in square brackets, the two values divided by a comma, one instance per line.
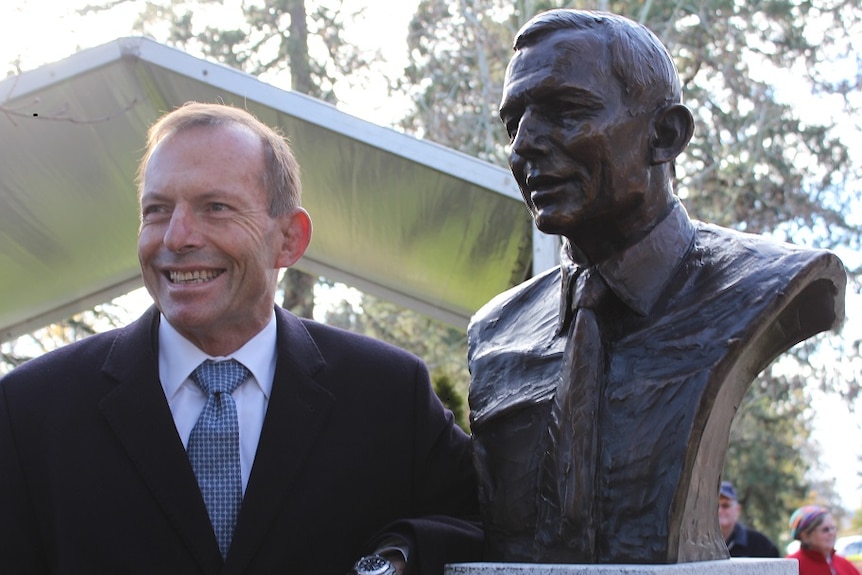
[576, 151]
[209, 250]
[728, 513]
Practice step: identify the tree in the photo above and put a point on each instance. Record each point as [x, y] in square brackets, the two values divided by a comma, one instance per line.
[856, 521]
[755, 164]
[101, 318]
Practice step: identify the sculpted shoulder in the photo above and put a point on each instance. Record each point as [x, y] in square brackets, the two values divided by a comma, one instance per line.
[772, 272]
[535, 301]
[514, 349]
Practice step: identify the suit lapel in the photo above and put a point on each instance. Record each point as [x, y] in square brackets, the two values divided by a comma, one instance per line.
[139, 415]
[297, 411]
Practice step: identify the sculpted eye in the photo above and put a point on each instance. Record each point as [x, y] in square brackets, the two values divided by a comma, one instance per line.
[511, 127]
[577, 109]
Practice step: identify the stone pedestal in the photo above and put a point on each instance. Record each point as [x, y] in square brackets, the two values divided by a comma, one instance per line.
[740, 566]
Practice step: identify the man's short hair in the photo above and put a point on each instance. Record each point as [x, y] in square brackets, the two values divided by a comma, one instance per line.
[280, 178]
[639, 60]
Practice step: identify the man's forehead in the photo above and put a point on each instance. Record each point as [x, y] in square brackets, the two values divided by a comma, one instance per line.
[228, 136]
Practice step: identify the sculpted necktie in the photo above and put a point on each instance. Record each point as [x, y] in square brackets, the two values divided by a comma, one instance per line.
[214, 446]
[568, 473]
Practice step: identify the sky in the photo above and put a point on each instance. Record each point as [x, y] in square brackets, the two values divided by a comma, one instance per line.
[34, 32]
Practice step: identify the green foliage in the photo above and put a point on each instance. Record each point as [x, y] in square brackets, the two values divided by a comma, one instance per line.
[769, 451]
[451, 397]
[856, 521]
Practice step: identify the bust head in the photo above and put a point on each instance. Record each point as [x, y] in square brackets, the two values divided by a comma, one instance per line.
[592, 106]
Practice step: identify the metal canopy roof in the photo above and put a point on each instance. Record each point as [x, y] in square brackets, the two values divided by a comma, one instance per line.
[404, 219]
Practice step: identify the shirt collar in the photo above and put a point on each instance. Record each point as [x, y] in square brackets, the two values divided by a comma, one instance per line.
[639, 274]
[178, 357]
[739, 535]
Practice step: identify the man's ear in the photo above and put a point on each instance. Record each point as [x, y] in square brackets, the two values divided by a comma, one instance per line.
[673, 129]
[296, 228]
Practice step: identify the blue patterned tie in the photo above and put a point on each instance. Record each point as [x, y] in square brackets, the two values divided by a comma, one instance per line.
[214, 446]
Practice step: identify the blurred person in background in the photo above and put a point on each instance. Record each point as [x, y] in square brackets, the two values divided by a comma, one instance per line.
[814, 527]
[741, 540]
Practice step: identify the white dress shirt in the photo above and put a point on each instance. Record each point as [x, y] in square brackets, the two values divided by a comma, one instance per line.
[178, 358]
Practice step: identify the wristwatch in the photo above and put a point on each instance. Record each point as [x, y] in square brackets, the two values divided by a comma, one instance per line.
[374, 565]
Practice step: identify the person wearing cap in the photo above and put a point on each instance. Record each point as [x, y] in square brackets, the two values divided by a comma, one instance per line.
[814, 528]
[741, 540]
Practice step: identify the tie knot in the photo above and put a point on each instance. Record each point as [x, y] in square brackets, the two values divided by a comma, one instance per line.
[589, 289]
[219, 376]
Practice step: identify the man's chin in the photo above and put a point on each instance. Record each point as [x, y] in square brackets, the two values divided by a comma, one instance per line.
[187, 317]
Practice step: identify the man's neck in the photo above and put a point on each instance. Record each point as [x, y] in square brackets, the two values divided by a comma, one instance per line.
[594, 242]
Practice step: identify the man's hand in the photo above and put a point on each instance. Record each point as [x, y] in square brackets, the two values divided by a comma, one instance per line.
[397, 561]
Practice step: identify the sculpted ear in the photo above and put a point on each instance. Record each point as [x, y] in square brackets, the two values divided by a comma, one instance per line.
[674, 127]
[296, 228]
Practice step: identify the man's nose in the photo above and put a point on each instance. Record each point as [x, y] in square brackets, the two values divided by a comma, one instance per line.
[183, 233]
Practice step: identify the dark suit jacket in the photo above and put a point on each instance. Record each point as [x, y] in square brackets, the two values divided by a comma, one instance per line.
[94, 478]
[674, 377]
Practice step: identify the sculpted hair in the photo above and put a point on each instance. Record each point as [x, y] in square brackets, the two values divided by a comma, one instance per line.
[639, 60]
[281, 174]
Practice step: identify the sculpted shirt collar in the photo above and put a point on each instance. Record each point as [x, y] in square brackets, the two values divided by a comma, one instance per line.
[639, 274]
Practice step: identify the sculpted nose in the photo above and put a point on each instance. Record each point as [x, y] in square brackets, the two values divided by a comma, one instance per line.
[529, 139]
[182, 233]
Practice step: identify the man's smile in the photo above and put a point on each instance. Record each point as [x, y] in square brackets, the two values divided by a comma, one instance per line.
[196, 276]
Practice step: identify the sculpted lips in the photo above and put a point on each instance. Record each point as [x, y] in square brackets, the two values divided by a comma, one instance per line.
[536, 182]
[191, 277]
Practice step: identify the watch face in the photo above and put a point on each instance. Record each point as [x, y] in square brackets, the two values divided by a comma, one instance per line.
[373, 565]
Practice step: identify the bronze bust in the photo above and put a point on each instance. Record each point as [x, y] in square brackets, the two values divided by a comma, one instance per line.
[601, 422]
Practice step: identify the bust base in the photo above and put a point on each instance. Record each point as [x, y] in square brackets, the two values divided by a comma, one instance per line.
[735, 566]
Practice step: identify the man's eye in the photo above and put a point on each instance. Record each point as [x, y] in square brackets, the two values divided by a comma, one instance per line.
[149, 212]
[217, 207]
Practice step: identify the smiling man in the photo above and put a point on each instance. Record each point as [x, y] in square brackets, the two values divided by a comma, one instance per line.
[219, 433]
[603, 390]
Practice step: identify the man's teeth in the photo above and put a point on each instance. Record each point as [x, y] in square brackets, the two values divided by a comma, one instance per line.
[193, 277]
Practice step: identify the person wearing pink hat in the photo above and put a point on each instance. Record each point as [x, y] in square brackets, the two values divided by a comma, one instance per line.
[815, 529]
